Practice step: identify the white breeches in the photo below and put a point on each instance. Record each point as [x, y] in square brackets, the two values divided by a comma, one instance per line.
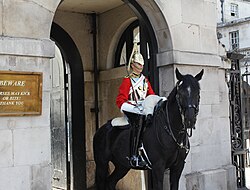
[132, 108]
[144, 107]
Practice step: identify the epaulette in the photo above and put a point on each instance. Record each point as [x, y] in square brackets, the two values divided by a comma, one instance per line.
[127, 76]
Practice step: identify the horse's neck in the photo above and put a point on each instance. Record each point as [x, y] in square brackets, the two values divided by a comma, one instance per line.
[175, 119]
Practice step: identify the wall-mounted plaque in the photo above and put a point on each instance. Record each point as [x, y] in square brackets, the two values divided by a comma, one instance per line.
[20, 93]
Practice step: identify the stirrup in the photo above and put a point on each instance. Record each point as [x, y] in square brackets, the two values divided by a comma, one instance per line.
[137, 161]
[144, 153]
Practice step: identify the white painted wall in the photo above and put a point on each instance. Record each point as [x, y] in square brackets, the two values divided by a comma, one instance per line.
[244, 34]
[241, 24]
[243, 7]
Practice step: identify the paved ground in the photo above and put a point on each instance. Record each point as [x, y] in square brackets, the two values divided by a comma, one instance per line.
[246, 188]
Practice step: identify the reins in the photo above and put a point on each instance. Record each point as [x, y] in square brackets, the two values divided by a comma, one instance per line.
[196, 108]
[168, 129]
[184, 130]
[180, 136]
[190, 133]
[183, 142]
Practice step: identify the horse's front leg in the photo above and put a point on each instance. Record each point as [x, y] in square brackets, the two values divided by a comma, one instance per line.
[158, 175]
[175, 174]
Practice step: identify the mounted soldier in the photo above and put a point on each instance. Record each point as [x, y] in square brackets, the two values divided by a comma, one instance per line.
[133, 90]
[166, 138]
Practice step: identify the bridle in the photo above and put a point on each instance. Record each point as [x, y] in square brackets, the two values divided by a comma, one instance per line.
[185, 132]
[183, 110]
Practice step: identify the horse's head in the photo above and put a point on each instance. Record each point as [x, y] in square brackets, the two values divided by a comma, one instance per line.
[188, 97]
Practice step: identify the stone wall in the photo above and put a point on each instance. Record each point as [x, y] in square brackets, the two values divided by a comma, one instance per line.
[25, 146]
[195, 47]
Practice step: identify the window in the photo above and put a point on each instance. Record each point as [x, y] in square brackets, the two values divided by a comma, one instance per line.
[234, 40]
[234, 10]
[125, 44]
[141, 32]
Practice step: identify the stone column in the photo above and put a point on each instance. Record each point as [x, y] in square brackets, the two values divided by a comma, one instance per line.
[25, 146]
[192, 25]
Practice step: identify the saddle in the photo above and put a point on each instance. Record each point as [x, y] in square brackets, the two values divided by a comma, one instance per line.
[151, 104]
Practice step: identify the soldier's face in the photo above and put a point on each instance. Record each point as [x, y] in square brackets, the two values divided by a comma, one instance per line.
[137, 67]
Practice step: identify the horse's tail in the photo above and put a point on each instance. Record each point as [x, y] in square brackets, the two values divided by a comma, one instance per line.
[101, 156]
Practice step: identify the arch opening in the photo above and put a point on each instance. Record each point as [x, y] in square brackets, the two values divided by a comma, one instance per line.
[76, 20]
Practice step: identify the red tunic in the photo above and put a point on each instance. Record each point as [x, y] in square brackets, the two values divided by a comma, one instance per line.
[124, 89]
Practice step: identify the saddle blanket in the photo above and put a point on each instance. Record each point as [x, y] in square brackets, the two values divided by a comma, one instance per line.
[148, 105]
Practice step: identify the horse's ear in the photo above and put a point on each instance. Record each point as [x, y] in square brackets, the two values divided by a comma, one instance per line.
[199, 75]
[179, 76]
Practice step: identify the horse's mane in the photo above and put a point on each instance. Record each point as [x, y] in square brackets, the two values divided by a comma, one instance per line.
[172, 94]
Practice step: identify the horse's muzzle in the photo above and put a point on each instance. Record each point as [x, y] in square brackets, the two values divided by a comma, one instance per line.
[190, 123]
[190, 117]
[190, 126]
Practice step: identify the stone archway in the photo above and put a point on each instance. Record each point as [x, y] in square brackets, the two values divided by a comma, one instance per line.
[153, 14]
[76, 163]
[152, 17]
[65, 16]
[160, 22]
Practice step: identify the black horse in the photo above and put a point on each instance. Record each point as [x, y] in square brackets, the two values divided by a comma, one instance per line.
[165, 140]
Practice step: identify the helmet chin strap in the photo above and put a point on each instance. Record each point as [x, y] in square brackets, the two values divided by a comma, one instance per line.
[136, 74]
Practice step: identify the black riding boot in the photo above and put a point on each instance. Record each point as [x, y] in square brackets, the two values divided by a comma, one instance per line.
[136, 120]
[137, 124]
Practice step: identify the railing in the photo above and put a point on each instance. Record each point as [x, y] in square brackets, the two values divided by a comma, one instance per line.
[245, 74]
[236, 125]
